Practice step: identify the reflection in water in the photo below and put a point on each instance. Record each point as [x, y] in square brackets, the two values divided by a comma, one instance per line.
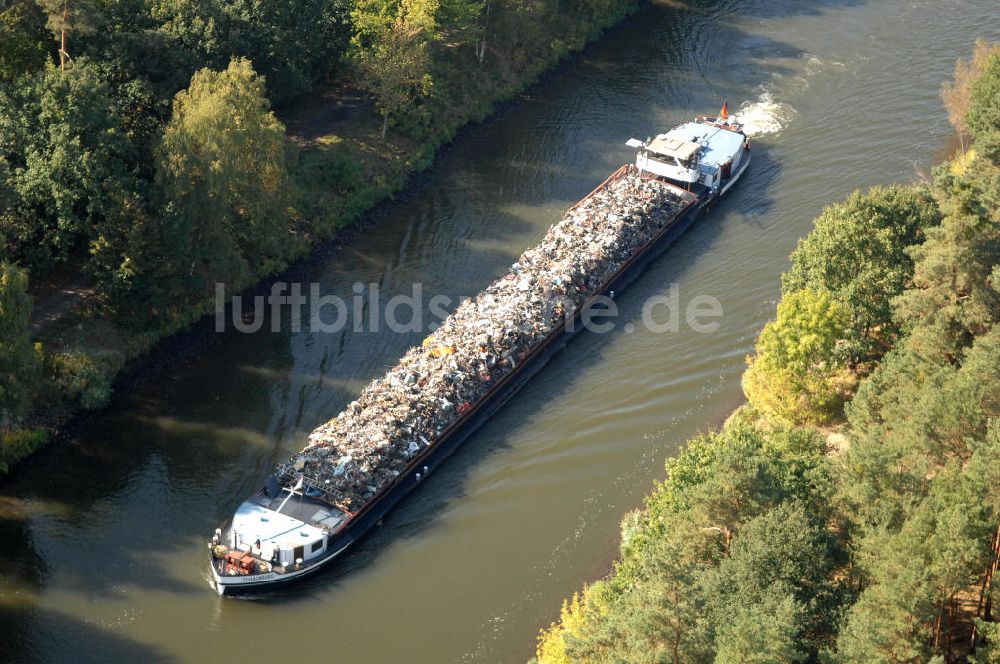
[103, 538]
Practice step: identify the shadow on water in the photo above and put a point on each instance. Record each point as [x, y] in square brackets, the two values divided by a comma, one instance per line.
[90, 643]
[22, 563]
[111, 494]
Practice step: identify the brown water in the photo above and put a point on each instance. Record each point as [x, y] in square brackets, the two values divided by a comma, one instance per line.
[102, 540]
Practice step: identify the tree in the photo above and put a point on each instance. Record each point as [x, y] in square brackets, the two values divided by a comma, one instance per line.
[393, 54]
[797, 373]
[68, 162]
[957, 92]
[461, 23]
[664, 621]
[658, 618]
[741, 493]
[221, 165]
[720, 480]
[764, 632]
[19, 360]
[983, 115]
[857, 252]
[909, 420]
[956, 269]
[289, 43]
[21, 49]
[989, 651]
[908, 612]
[69, 16]
[957, 289]
[782, 561]
[552, 643]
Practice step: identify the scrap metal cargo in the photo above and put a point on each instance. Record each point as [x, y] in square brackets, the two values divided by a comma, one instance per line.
[405, 423]
[362, 450]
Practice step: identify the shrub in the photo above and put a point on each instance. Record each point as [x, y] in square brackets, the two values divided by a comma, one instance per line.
[79, 379]
[19, 443]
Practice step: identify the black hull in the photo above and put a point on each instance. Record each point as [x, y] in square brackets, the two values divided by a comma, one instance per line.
[358, 526]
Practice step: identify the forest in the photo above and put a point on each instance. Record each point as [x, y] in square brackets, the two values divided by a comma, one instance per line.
[145, 154]
[850, 511]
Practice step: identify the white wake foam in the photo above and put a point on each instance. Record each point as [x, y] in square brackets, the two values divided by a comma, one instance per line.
[764, 116]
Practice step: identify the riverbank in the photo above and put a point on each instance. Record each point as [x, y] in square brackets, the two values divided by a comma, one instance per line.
[342, 173]
[472, 563]
[779, 538]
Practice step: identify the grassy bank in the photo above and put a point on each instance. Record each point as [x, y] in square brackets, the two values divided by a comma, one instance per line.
[851, 511]
[341, 171]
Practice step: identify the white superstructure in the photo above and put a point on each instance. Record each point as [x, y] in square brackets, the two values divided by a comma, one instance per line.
[275, 537]
[709, 152]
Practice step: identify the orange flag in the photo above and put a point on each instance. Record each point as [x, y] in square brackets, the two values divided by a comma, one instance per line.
[724, 113]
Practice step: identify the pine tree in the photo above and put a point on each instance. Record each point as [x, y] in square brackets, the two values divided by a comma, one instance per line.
[67, 17]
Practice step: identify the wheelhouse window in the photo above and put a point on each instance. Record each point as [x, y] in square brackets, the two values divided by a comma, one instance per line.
[316, 546]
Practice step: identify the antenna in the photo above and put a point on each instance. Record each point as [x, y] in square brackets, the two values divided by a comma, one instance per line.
[291, 492]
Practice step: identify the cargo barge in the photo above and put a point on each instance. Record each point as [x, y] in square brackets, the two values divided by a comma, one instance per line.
[359, 465]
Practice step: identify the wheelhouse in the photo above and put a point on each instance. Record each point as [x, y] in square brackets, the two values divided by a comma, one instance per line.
[275, 533]
[704, 153]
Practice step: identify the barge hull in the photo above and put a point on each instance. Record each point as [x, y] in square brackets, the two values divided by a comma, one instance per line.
[358, 526]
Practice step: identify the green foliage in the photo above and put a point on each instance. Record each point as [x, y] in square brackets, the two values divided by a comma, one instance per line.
[779, 566]
[79, 379]
[332, 188]
[19, 361]
[762, 632]
[291, 44]
[989, 651]
[393, 56]
[21, 48]
[69, 17]
[656, 618]
[68, 163]
[799, 373]
[956, 295]
[957, 93]
[918, 484]
[857, 252]
[222, 169]
[928, 411]
[760, 548]
[940, 550]
[737, 503]
[19, 444]
[983, 115]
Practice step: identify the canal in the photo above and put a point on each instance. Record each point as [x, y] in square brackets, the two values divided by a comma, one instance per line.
[103, 539]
